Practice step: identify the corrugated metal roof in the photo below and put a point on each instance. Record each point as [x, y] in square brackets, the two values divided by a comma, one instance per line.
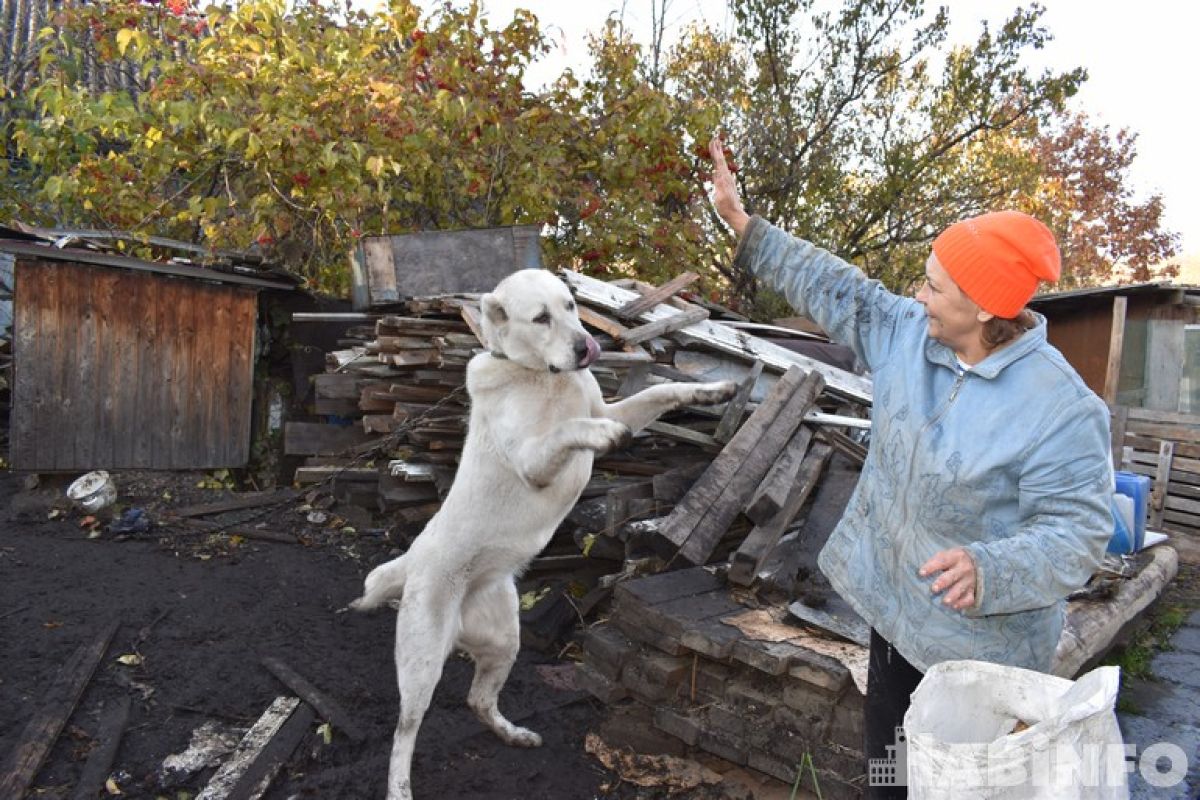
[51, 253]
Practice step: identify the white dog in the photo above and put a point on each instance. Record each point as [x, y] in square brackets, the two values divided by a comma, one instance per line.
[537, 420]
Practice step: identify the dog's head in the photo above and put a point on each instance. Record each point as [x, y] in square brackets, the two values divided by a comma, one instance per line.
[530, 319]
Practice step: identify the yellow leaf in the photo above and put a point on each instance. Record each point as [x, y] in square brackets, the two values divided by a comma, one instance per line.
[131, 660]
[124, 37]
[530, 599]
[326, 732]
[111, 787]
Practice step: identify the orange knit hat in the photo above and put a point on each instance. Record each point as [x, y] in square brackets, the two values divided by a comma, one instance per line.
[997, 259]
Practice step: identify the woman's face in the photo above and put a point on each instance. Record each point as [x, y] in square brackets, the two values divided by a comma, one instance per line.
[954, 319]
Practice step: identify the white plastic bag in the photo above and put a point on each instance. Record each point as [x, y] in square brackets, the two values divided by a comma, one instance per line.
[961, 745]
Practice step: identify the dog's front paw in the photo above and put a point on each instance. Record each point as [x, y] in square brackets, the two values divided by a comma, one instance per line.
[708, 394]
[606, 435]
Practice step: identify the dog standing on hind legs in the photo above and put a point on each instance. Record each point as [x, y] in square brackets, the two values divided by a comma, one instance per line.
[537, 421]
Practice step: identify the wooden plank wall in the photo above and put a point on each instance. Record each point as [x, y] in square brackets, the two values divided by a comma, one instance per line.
[1166, 447]
[117, 369]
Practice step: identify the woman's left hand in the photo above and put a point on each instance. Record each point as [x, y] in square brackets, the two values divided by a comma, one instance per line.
[957, 577]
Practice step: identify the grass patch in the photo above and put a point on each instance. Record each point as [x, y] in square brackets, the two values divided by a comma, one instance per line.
[1134, 657]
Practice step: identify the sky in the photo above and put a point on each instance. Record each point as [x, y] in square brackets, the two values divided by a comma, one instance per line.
[1140, 56]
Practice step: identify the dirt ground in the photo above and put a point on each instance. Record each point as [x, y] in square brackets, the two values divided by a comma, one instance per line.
[201, 611]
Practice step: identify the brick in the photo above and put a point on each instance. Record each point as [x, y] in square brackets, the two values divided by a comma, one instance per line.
[664, 586]
[848, 726]
[630, 625]
[711, 680]
[603, 689]
[772, 658]
[610, 671]
[780, 756]
[674, 617]
[605, 644]
[730, 724]
[819, 670]
[711, 638]
[653, 676]
[633, 727]
[683, 725]
[847, 762]
[712, 742]
[754, 693]
[808, 699]
[790, 744]
[772, 765]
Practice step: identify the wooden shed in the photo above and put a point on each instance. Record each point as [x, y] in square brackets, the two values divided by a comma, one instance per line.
[120, 363]
[1138, 347]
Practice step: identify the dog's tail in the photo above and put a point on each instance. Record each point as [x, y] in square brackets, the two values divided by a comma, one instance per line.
[384, 584]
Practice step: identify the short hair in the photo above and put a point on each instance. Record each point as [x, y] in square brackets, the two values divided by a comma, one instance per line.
[999, 331]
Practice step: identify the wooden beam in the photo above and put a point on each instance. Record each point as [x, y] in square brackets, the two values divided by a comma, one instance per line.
[736, 408]
[772, 494]
[601, 322]
[317, 439]
[238, 503]
[1091, 628]
[660, 327]
[1116, 346]
[652, 298]
[725, 339]
[48, 721]
[699, 521]
[248, 749]
[752, 554]
[1119, 422]
[100, 761]
[680, 523]
[1158, 497]
[326, 706]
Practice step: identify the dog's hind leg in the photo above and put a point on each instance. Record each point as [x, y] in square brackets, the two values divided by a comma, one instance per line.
[491, 635]
[426, 628]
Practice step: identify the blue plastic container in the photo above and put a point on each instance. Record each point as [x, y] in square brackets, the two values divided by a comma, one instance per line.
[1136, 487]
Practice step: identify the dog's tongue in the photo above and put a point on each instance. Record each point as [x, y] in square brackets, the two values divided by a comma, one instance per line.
[593, 352]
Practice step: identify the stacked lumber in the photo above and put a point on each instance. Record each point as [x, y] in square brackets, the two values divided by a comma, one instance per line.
[1166, 447]
[746, 684]
[391, 394]
[392, 388]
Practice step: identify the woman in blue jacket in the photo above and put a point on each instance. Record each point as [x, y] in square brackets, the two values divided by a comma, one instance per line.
[984, 500]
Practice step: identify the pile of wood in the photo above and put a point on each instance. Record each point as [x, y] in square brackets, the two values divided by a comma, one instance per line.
[1166, 447]
[741, 681]
[395, 392]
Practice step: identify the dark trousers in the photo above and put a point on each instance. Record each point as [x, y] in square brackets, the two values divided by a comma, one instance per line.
[890, 681]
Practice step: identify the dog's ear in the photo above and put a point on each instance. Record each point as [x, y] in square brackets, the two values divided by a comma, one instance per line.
[493, 309]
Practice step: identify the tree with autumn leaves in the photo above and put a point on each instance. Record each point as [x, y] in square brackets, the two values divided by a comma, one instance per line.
[297, 129]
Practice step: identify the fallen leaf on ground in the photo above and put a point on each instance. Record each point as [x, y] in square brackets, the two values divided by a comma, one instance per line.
[130, 659]
[671, 772]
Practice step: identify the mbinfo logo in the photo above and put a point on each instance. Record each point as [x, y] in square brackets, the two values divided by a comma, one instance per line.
[1042, 763]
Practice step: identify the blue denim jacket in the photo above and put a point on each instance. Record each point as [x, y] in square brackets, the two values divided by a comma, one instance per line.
[1010, 460]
